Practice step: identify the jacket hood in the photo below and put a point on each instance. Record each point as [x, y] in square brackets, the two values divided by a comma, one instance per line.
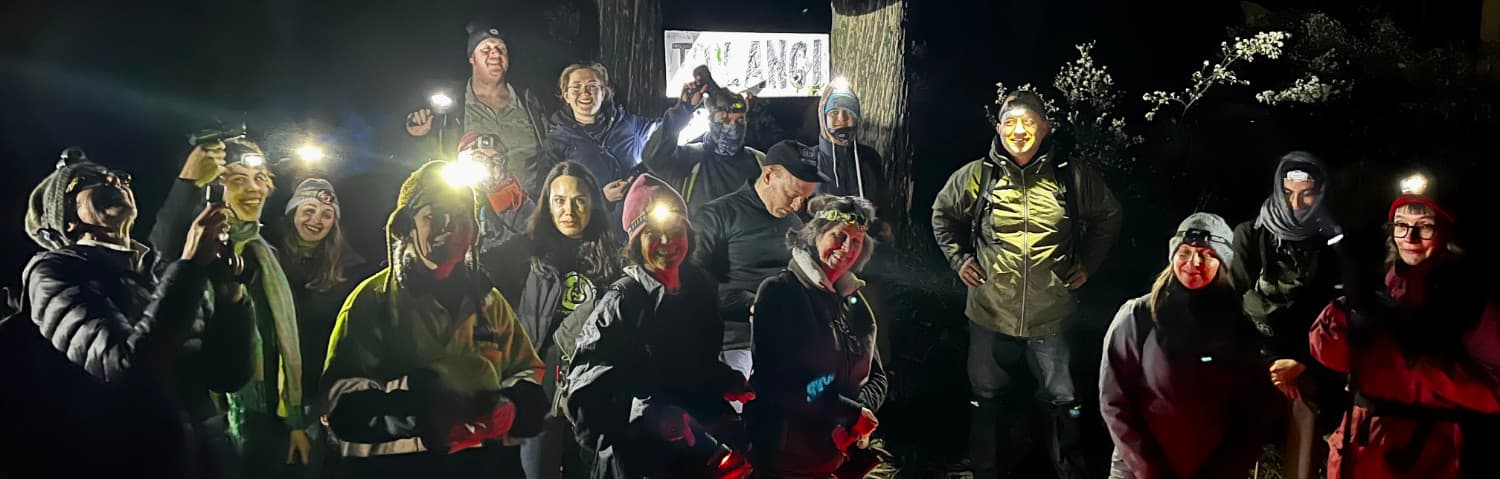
[1277, 216]
[807, 270]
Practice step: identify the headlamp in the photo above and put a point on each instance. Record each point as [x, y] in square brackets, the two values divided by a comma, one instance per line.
[1200, 238]
[440, 102]
[310, 153]
[94, 179]
[661, 213]
[1298, 176]
[253, 160]
[839, 84]
[1415, 185]
[464, 172]
[855, 219]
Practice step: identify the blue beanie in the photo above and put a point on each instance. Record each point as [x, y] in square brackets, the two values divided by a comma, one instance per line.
[842, 99]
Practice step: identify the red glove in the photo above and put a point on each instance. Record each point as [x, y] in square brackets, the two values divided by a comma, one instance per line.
[738, 388]
[506, 195]
[731, 465]
[497, 425]
[843, 437]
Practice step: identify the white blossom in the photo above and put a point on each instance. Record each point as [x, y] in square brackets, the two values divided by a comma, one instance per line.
[1305, 90]
[1261, 45]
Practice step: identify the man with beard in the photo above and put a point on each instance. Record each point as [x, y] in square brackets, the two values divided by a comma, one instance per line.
[1023, 228]
[741, 239]
[115, 356]
[429, 373]
[1287, 272]
[852, 169]
[265, 417]
[489, 105]
[718, 164]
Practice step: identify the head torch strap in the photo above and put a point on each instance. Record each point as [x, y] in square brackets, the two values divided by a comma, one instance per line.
[855, 219]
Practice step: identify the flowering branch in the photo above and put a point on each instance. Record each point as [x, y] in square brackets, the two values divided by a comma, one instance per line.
[1263, 44]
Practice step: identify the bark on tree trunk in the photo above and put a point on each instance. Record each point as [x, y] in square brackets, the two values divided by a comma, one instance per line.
[1489, 39]
[868, 47]
[630, 36]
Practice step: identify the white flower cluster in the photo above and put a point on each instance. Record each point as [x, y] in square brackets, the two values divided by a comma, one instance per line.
[1308, 90]
[1263, 44]
[1001, 92]
[1082, 82]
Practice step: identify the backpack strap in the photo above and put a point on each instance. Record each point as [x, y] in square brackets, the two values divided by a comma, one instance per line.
[981, 201]
[1068, 179]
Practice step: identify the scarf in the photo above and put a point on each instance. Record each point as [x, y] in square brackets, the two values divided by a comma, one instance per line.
[277, 294]
[727, 140]
[1276, 214]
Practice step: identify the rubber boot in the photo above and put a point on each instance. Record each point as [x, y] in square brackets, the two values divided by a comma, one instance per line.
[1065, 441]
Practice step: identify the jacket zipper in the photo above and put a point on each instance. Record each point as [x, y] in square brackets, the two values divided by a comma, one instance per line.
[1025, 249]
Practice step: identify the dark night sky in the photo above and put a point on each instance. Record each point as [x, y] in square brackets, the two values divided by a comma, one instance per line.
[126, 80]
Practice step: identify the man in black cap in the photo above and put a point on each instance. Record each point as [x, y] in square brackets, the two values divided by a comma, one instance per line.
[741, 238]
[489, 104]
[710, 167]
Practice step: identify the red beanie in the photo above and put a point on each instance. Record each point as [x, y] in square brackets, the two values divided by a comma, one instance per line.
[469, 138]
[1404, 200]
[648, 193]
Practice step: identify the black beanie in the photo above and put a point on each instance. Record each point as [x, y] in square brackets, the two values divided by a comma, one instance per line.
[478, 33]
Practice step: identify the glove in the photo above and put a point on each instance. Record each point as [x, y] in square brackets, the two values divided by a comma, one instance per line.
[495, 426]
[735, 387]
[728, 464]
[454, 390]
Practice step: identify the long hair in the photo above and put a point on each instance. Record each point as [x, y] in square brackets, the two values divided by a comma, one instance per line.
[595, 253]
[325, 266]
[1166, 284]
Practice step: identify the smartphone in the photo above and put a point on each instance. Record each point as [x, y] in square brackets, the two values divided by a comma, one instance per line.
[215, 195]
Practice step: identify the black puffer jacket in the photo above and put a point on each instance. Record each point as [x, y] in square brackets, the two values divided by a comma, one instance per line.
[642, 347]
[698, 173]
[815, 369]
[740, 244]
[108, 313]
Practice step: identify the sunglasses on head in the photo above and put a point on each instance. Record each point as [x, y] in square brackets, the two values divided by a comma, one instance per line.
[855, 219]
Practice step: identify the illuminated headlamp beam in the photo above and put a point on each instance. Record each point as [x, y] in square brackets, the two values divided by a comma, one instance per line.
[1414, 185]
[310, 153]
[464, 172]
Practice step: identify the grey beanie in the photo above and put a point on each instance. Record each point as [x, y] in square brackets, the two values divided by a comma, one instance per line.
[1219, 240]
[479, 33]
[314, 189]
[47, 209]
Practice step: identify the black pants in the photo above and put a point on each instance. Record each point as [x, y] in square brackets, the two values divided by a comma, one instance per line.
[490, 461]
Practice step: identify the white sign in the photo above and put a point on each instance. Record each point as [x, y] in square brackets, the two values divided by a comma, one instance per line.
[791, 64]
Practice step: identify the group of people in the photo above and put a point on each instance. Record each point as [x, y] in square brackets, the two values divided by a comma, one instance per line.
[583, 310]
[609, 301]
[1266, 334]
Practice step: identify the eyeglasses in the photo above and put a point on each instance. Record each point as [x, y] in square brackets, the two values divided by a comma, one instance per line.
[1402, 230]
[97, 179]
[589, 87]
[855, 219]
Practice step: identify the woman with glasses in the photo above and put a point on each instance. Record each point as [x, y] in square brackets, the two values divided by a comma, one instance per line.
[594, 132]
[1182, 385]
[1422, 363]
[817, 375]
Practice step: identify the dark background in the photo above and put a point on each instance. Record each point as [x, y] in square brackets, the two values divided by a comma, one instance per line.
[127, 82]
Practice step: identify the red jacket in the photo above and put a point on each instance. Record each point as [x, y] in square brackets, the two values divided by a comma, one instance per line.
[1385, 376]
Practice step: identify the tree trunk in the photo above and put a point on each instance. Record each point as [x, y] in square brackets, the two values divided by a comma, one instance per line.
[868, 47]
[630, 45]
[1489, 39]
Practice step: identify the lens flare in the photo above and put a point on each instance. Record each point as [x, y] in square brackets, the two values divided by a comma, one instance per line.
[1414, 185]
[310, 153]
[464, 172]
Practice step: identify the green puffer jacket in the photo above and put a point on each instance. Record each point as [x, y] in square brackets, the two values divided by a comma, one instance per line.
[1027, 243]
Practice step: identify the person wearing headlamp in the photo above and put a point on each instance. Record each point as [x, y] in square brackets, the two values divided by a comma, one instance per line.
[484, 164]
[1287, 273]
[1023, 227]
[1421, 354]
[714, 165]
[266, 417]
[488, 103]
[1182, 384]
[646, 391]
[429, 373]
[740, 240]
[852, 169]
[111, 363]
[817, 371]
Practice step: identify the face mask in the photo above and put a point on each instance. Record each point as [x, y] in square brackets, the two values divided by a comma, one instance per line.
[728, 139]
[845, 134]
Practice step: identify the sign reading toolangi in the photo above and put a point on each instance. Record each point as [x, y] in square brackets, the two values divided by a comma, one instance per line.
[791, 64]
